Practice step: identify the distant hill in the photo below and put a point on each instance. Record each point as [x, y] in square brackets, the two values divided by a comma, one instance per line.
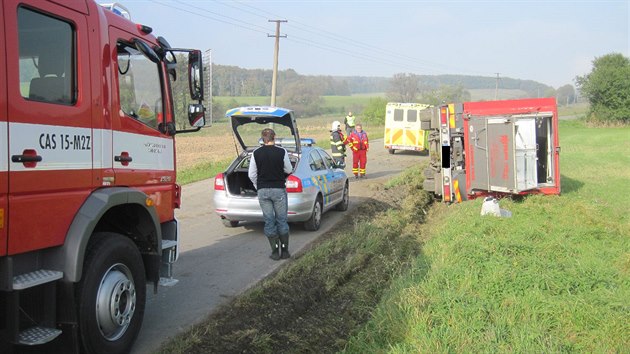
[235, 81]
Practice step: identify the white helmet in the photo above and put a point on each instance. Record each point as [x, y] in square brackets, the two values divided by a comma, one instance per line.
[335, 126]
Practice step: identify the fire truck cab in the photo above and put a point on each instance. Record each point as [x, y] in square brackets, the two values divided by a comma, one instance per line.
[87, 171]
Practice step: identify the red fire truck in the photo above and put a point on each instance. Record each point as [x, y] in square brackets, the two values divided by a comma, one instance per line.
[496, 148]
[87, 171]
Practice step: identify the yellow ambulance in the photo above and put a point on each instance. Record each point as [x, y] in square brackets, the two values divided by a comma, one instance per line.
[407, 126]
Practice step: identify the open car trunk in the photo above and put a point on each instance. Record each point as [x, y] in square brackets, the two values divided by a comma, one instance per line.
[237, 178]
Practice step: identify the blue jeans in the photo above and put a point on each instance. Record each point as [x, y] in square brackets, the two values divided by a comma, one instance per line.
[274, 205]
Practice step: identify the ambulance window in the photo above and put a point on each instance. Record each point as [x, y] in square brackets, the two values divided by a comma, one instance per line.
[412, 115]
[47, 58]
[398, 115]
[139, 87]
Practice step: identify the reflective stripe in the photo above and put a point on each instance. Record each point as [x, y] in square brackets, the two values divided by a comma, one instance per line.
[76, 148]
[61, 148]
[148, 152]
[458, 195]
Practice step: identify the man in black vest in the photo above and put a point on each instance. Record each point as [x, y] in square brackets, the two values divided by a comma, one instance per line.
[268, 170]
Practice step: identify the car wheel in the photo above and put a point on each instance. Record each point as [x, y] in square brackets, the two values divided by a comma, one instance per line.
[229, 223]
[315, 221]
[345, 199]
[111, 294]
[391, 151]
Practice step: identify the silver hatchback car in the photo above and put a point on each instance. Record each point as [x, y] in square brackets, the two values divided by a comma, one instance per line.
[316, 185]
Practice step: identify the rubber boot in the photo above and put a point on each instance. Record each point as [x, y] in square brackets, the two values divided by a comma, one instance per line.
[274, 242]
[284, 246]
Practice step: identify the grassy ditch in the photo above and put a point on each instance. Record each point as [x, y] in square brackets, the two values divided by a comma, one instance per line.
[201, 171]
[553, 278]
[323, 295]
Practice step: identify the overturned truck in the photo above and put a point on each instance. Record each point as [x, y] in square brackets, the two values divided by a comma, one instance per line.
[496, 148]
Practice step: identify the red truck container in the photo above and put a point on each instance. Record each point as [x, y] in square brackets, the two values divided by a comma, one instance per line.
[87, 171]
[496, 148]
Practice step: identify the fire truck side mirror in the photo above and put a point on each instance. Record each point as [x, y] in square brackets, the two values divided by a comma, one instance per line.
[195, 77]
[196, 115]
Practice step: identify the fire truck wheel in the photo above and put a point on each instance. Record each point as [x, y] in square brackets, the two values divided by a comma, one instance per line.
[345, 200]
[229, 223]
[111, 294]
[315, 221]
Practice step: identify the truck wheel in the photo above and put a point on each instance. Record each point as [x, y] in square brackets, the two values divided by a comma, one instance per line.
[229, 223]
[315, 221]
[111, 294]
[391, 151]
[345, 200]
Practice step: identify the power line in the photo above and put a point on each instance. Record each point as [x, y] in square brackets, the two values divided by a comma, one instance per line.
[347, 40]
[238, 22]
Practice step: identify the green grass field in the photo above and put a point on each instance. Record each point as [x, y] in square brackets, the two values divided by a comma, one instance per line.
[553, 278]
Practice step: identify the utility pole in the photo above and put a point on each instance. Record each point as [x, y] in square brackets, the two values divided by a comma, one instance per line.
[275, 60]
[496, 88]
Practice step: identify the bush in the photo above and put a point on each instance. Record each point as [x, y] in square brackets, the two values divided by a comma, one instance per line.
[374, 112]
[607, 88]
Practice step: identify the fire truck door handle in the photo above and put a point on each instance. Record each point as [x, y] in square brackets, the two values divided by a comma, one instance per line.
[25, 158]
[123, 158]
[29, 158]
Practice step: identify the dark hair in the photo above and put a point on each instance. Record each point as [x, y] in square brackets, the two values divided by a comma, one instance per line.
[268, 135]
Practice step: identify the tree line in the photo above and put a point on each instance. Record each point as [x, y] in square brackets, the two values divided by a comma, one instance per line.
[236, 82]
[607, 88]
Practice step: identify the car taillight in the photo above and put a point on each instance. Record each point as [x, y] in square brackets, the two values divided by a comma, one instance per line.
[219, 183]
[294, 184]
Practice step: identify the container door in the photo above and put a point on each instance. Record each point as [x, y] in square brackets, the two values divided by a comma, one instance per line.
[504, 154]
[525, 148]
[500, 147]
[478, 159]
[49, 121]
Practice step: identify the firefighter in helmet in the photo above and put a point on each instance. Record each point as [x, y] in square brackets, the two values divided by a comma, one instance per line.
[338, 142]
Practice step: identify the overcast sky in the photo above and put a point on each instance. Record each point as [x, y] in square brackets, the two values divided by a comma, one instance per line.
[547, 41]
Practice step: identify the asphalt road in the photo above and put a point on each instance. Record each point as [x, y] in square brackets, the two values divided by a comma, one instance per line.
[218, 263]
